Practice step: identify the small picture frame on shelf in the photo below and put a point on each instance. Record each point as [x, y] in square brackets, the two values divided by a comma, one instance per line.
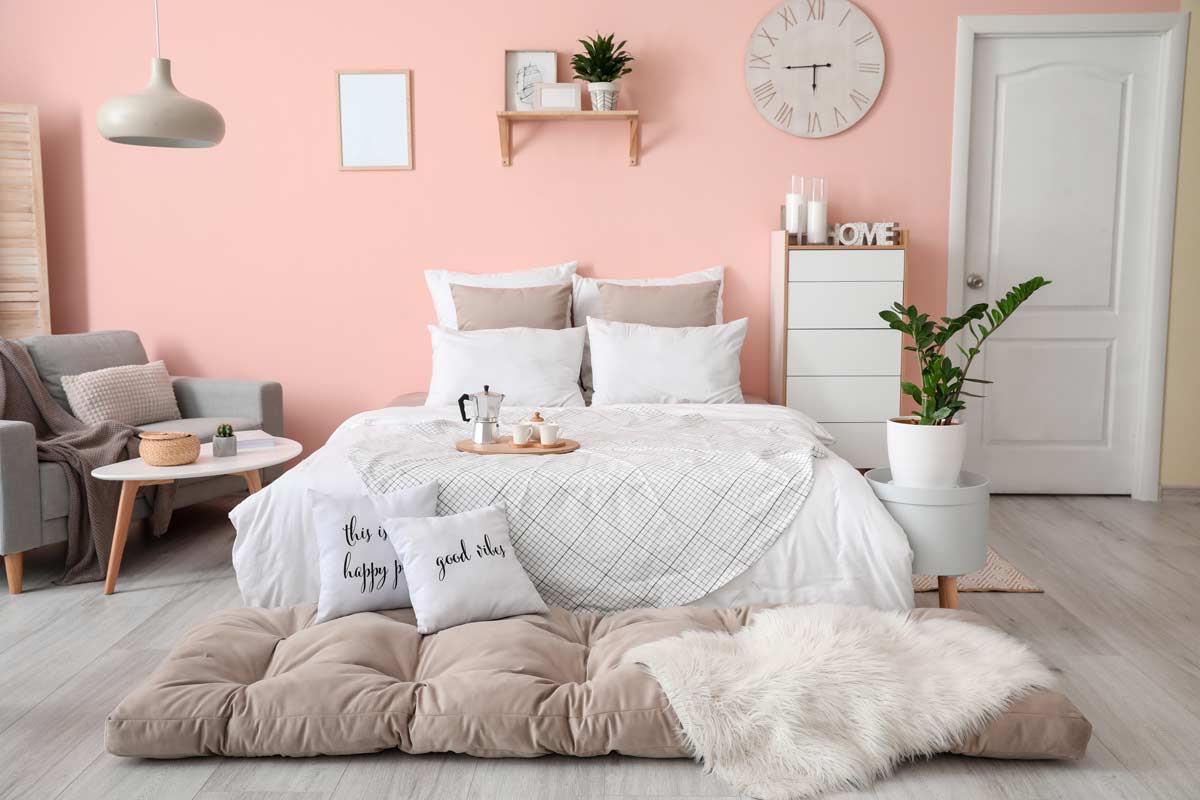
[524, 70]
[558, 97]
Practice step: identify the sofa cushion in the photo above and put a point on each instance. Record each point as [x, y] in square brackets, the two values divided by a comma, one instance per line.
[257, 682]
[203, 427]
[52, 477]
[75, 353]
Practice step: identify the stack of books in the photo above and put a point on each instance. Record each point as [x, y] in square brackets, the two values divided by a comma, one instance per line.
[254, 440]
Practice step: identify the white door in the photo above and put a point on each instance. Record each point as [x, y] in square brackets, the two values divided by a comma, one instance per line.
[1065, 142]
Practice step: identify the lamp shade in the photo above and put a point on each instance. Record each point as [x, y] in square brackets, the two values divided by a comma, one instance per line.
[160, 115]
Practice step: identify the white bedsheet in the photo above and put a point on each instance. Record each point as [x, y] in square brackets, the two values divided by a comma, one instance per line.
[842, 547]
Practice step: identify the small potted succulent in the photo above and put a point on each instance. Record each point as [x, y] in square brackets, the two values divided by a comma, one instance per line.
[601, 65]
[224, 442]
[926, 450]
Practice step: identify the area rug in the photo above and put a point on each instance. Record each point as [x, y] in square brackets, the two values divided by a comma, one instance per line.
[810, 699]
[997, 575]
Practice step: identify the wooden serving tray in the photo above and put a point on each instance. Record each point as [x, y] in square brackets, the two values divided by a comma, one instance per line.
[506, 447]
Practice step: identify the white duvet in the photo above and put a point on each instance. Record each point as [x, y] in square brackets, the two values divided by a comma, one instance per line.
[842, 546]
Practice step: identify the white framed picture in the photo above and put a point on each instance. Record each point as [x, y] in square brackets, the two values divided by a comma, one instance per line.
[523, 71]
[558, 97]
[375, 119]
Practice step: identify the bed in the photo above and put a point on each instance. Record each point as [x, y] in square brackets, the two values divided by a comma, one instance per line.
[839, 545]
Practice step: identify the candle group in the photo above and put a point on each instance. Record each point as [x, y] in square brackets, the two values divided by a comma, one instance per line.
[806, 210]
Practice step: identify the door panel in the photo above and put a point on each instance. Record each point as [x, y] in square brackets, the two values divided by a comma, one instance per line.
[1059, 163]
[1063, 138]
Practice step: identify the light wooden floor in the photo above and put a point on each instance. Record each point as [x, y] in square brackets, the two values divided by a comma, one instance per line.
[1120, 619]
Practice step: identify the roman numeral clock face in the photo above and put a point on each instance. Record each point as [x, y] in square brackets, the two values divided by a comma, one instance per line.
[814, 67]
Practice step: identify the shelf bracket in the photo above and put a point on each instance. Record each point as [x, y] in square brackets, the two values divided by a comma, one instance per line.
[505, 141]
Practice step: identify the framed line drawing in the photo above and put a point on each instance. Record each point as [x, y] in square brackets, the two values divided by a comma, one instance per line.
[523, 71]
[374, 119]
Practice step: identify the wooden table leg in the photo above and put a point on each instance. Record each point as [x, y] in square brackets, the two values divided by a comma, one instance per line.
[947, 591]
[253, 480]
[129, 490]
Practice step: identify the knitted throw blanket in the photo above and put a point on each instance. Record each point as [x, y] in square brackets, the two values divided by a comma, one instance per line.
[78, 448]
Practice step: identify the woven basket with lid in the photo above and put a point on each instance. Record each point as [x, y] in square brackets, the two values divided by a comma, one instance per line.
[168, 448]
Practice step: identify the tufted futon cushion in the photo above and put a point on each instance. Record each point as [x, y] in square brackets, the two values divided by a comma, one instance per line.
[256, 682]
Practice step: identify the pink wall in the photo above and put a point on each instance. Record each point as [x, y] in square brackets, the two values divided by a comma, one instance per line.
[324, 267]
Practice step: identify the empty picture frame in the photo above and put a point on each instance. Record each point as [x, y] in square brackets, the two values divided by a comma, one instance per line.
[558, 97]
[375, 119]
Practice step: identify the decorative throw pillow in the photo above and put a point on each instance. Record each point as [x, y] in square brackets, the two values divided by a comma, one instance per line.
[462, 569]
[684, 305]
[646, 364]
[587, 302]
[137, 394]
[481, 308]
[358, 565]
[530, 367]
[439, 280]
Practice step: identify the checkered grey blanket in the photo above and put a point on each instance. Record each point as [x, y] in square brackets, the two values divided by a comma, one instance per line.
[653, 510]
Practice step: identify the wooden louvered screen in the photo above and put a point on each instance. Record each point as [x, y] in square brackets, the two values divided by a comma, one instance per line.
[24, 290]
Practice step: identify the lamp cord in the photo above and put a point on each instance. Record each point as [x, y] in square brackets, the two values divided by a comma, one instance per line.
[157, 47]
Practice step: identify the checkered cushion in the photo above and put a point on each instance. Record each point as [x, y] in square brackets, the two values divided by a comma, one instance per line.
[135, 394]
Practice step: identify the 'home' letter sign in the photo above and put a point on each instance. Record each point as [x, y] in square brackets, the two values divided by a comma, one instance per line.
[881, 234]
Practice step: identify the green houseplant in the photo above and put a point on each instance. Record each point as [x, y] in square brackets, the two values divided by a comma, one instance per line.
[224, 443]
[927, 449]
[601, 64]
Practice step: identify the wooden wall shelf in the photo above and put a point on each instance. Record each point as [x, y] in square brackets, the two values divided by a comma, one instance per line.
[506, 119]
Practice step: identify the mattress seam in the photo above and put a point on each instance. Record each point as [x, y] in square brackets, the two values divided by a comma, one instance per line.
[381, 713]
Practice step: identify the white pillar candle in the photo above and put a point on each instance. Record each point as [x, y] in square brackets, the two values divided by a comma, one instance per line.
[794, 221]
[818, 226]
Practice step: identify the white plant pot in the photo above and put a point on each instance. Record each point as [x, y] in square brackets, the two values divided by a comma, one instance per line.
[604, 96]
[926, 456]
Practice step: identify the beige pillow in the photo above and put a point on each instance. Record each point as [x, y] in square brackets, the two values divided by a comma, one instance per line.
[486, 308]
[684, 305]
[135, 395]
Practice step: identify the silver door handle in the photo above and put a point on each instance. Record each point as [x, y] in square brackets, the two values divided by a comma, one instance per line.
[974, 281]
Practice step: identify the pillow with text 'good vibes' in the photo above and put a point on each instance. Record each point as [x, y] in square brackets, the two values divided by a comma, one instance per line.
[358, 565]
[462, 569]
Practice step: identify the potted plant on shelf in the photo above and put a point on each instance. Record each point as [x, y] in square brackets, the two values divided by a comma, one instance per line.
[601, 65]
[926, 450]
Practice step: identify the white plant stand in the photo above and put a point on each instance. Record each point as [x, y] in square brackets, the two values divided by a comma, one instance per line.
[946, 528]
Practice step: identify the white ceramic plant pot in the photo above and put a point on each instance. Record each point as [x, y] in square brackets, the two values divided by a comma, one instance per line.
[926, 456]
[604, 96]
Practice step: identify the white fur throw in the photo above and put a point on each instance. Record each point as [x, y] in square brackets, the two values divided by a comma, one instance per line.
[808, 699]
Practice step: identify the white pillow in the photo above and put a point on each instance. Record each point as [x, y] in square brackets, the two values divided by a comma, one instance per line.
[439, 280]
[358, 565]
[586, 302]
[530, 366]
[463, 568]
[648, 364]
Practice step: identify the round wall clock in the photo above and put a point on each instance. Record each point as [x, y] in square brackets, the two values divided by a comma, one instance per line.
[814, 67]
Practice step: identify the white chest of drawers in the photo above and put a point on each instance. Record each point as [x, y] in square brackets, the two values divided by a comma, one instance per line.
[832, 357]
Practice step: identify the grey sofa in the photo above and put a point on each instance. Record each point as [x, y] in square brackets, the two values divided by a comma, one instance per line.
[33, 495]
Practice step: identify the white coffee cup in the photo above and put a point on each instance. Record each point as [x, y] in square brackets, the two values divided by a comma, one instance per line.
[548, 432]
[522, 432]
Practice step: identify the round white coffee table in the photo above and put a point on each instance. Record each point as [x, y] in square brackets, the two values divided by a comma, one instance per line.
[136, 473]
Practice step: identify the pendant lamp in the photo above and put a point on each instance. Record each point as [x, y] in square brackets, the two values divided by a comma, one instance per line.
[160, 115]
